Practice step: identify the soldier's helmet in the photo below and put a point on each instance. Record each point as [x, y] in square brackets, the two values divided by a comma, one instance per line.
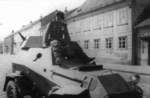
[60, 15]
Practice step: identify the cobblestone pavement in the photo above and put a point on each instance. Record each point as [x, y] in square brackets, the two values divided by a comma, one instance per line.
[2, 94]
[4, 68]
[2, 80]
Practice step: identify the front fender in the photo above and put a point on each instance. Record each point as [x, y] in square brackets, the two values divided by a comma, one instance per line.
[67, 90]
[10, 77]
[70, 91]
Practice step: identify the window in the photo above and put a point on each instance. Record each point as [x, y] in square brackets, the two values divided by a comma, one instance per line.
[97, 22]
[108, 19]
[86, 24]
[96, 43]
[86, 44]
[123, 42]
[109, 42]
[122, 16]
[78, 26]
[71, 28]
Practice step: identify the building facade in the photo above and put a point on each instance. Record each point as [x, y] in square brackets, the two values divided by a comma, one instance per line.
[8, 45]
[105, 29]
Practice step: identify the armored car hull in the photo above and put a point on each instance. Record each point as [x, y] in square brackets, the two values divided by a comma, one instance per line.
[35, 74]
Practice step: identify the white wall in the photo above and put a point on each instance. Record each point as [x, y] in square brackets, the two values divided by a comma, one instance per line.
[115, 24]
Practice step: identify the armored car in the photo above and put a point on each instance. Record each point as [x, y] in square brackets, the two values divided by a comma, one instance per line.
[35, 74]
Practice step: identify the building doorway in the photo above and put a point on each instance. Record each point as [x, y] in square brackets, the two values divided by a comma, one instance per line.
[145, 50]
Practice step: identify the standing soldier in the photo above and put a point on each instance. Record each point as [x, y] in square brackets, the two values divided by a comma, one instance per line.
[57, 36]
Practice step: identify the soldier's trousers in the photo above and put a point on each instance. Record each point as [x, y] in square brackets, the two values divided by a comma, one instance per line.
[77, 51]
[71, 50]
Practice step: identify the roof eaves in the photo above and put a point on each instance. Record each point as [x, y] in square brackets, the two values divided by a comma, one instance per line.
[145, 23]
[89, 7]
[24, 28]
[46, 19]
[67, 14]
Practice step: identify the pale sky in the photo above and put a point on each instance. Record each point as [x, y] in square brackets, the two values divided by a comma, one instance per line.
[15, 13]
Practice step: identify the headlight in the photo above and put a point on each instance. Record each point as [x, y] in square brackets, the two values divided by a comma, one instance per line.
[93, 84]
[90, 85]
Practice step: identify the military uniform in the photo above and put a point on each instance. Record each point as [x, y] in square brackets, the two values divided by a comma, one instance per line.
[58, 31]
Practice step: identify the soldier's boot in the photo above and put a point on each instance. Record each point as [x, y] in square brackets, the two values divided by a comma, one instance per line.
[85, 58]
[78, 50]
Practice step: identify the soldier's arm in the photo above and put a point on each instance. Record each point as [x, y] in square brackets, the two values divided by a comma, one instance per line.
[47, 35]
[66, 33]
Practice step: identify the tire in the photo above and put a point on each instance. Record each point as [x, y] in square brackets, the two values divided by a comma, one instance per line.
[11, 90]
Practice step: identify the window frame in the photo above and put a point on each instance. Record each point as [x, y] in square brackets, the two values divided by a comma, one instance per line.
[87, 24]
[97, 22]
[109, 41]
[86, 44]
[122, 16]
[108, 19]
[96, 43]
[123, 43]
[78, 28]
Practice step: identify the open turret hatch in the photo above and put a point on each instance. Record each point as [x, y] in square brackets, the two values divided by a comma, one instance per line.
[33, 42]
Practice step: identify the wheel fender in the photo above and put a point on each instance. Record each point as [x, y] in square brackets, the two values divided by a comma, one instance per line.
[67, 90]
[10, 77]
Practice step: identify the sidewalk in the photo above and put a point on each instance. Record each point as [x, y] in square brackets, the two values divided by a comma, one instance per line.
[139, 69]
[5, 62]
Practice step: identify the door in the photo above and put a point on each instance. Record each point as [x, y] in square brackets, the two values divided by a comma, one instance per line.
[148, 52]
[144, 52]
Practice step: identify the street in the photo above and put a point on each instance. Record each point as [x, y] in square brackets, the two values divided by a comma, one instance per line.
[4, 68]
[2, 94]
[2, 79]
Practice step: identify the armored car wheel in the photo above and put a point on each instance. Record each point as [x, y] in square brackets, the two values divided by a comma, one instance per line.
[11, 90]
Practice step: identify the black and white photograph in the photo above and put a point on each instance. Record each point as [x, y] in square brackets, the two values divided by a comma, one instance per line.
[74, 48]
